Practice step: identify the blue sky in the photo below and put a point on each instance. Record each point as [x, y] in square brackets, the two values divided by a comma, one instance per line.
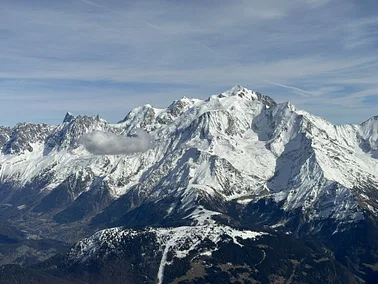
[106, 57]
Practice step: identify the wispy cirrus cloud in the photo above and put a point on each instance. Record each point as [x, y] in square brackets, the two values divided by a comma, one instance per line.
[313, 53]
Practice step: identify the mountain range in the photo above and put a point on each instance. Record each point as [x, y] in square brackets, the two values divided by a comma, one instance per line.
[234, 188]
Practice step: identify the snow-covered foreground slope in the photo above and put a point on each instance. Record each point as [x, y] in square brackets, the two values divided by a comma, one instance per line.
[204, 251]
[239, 146]
[177, 242]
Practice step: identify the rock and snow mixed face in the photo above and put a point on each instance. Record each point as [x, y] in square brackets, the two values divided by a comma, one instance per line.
[201, 238]
[237, 146]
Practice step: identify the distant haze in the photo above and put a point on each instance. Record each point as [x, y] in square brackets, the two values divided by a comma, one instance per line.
[106, 143]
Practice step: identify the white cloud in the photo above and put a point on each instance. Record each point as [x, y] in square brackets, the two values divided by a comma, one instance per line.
[106, 143]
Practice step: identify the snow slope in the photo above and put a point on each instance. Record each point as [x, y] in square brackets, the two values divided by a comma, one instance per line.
[178, 241]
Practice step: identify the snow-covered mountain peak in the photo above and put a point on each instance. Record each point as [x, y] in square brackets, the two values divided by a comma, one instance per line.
[241, 92]
[68, 117]
[369, 129]
[236, 90]
[68, 134]
[5, 133]
[24, 135]
[179, 106]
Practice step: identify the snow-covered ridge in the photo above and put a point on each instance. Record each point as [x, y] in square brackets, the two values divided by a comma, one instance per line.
[235, 146]
[179, 241]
